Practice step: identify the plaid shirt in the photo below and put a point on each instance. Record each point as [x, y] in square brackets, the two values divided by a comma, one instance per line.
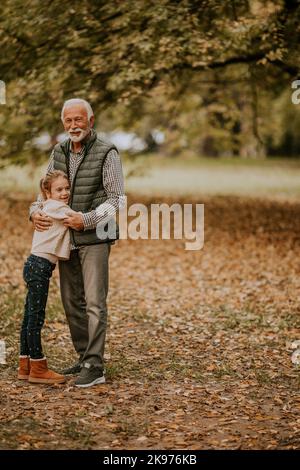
[113, 183]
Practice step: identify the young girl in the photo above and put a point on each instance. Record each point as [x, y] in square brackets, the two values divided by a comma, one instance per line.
[47, 247]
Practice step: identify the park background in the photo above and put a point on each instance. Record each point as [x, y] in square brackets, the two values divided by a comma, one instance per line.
[197, 95]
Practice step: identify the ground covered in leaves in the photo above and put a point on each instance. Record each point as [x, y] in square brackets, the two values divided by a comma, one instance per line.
[198, 348]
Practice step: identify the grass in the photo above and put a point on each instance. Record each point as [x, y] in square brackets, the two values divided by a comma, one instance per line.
[158, 175]
[263, 377]
[269, 178]
[179, 351]
[77, 433]
[22, 179]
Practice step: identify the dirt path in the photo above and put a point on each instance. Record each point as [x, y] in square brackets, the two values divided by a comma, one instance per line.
[198, 343]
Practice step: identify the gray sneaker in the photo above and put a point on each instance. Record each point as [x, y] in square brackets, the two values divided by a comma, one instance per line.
[75, 369]
[90, 375]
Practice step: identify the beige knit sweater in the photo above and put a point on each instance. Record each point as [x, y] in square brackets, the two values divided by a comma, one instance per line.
[54, 243]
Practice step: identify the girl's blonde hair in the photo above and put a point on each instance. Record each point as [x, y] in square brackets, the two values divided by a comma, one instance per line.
[46, 182]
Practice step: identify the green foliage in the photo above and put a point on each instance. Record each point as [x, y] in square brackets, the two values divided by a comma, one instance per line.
[126, 55]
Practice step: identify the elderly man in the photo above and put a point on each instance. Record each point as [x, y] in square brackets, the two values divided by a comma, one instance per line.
[97, 191]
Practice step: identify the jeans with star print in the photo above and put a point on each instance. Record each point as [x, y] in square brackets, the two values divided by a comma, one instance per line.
[37, 273]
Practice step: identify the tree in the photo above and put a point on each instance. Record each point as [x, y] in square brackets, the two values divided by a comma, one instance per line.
[119, 52]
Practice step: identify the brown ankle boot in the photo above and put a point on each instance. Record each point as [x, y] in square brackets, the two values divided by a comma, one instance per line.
[40, 374]
[24, 368]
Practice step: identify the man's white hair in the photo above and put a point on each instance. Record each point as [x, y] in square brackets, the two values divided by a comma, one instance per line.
[75, 101]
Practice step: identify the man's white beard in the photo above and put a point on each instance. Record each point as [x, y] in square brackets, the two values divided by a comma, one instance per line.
[81, 136]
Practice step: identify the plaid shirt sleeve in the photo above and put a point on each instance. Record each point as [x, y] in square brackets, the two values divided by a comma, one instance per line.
[113, 183]
[37, 204]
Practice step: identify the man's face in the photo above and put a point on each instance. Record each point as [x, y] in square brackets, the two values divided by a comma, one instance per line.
[76, 123]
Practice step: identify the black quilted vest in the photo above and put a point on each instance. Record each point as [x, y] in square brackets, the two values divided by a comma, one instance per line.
[87, 190]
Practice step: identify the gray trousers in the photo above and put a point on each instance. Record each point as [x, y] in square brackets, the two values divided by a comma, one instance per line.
[84, 288]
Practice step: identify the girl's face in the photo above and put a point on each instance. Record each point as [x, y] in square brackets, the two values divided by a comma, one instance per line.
[60, 190]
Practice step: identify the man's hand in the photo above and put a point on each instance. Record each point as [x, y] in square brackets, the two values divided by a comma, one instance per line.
[74, 220]
[41, 221]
